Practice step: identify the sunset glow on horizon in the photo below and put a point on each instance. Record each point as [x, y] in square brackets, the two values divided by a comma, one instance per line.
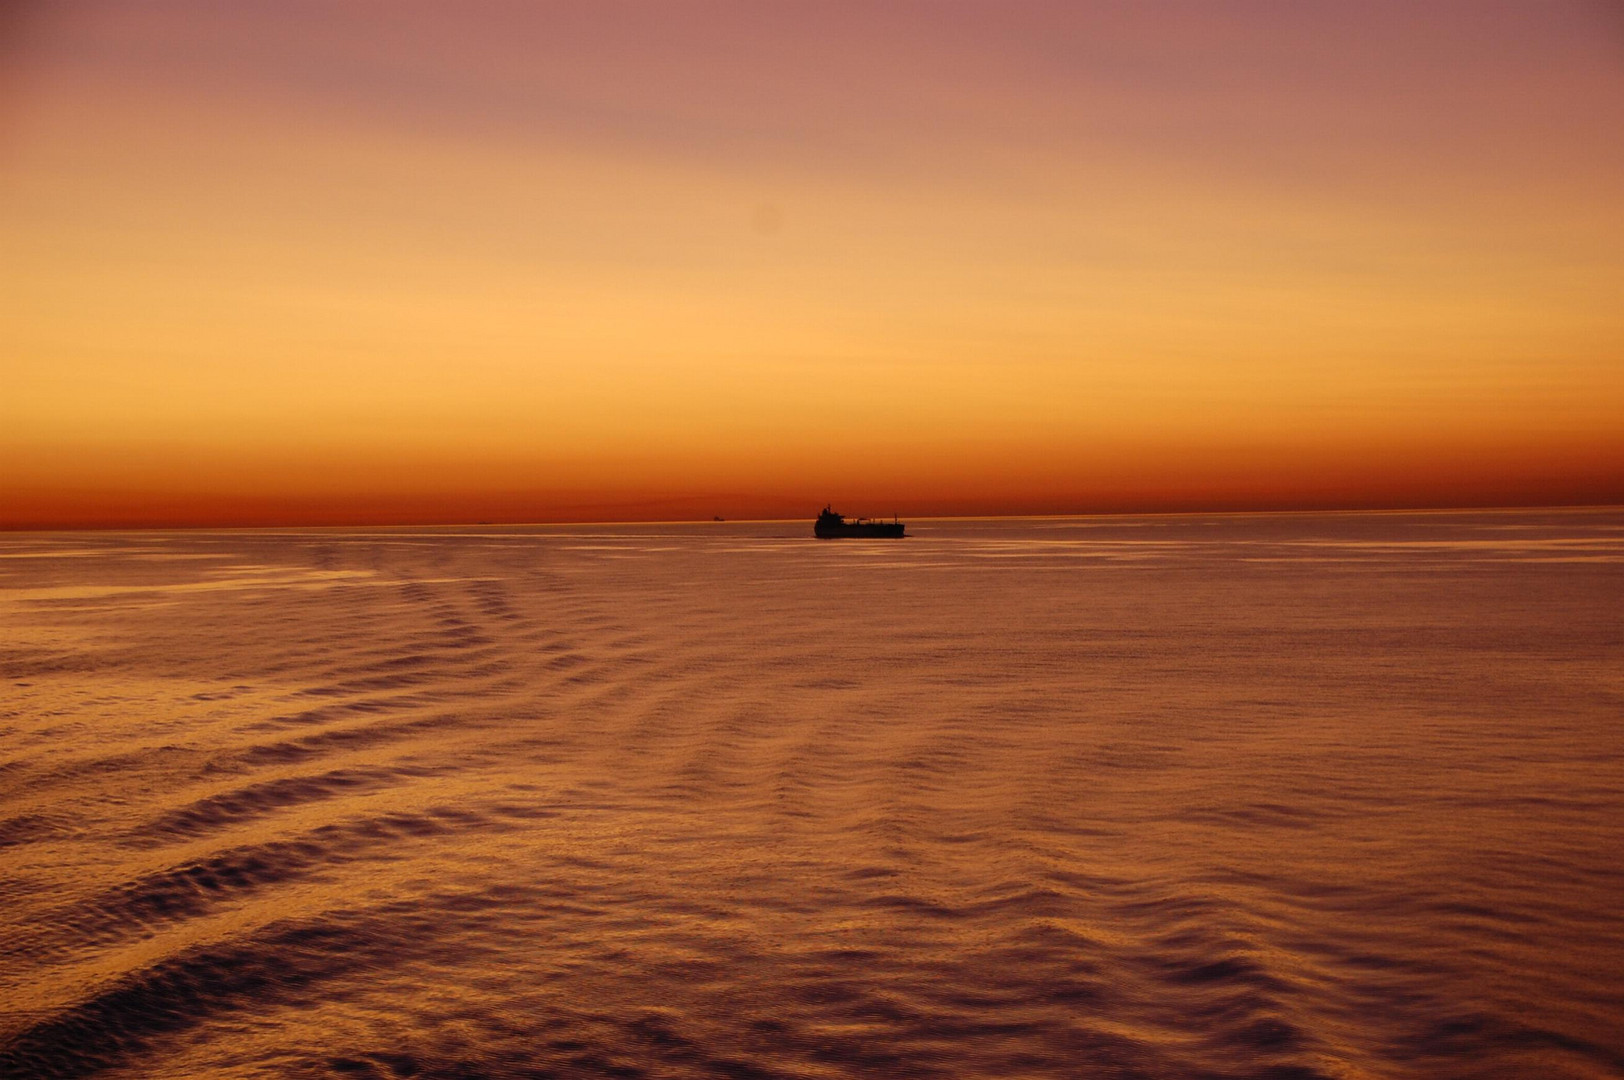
[306, 263]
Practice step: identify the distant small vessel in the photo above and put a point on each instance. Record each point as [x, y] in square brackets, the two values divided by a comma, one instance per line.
[831, 526]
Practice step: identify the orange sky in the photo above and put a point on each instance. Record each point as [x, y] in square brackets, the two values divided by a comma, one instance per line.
[306, 262]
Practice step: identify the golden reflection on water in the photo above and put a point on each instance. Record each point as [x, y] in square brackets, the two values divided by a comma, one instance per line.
[1240, 796]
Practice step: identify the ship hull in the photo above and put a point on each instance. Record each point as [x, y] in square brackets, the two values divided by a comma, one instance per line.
[859, 530]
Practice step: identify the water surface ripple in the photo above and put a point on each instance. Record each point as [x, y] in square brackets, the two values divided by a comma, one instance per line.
[1268, 796]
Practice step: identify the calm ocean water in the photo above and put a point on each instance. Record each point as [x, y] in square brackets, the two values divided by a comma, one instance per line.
[1235, 796]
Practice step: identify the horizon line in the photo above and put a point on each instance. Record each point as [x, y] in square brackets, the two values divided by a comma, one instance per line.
[384, 526]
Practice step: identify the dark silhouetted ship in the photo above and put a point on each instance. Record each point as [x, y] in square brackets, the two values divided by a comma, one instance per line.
[833, 526]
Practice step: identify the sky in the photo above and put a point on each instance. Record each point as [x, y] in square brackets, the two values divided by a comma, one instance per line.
[362, 262]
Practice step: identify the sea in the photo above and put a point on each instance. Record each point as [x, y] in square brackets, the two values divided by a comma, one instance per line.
[1271, 796]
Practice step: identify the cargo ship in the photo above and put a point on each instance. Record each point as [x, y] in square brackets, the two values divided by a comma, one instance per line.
[831, 526]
